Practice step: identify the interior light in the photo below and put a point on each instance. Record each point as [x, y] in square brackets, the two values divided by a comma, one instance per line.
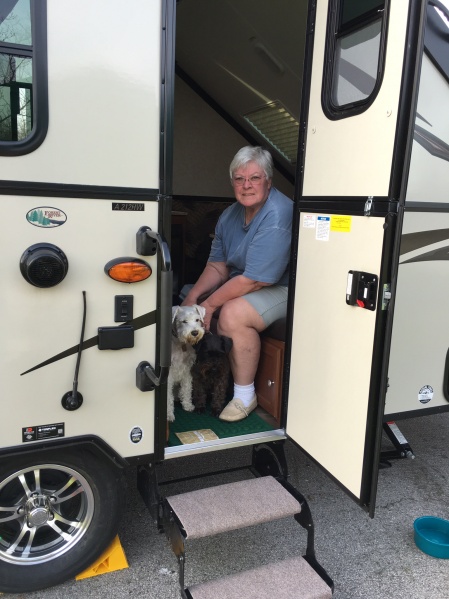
[128, 270]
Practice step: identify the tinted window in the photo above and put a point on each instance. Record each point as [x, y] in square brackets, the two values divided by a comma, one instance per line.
[354, 55]
[22, 43]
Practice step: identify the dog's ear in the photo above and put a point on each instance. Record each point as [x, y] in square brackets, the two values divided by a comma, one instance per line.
[227, 343]
[201, 310]
[174, 311]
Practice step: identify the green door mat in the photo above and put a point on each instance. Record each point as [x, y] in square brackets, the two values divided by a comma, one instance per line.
[191, 421]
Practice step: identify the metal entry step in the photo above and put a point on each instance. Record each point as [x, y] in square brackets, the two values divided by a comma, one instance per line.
[232, 506]
[290, 579]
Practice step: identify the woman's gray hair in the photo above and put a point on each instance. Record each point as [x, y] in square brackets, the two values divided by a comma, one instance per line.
[256, 154]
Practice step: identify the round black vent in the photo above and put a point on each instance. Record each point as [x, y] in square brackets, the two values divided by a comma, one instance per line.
[44, 265]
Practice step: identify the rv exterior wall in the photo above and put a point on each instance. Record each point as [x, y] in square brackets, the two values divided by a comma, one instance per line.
[104, 97]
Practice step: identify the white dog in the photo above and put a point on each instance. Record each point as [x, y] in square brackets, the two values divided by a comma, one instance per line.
[187, 330]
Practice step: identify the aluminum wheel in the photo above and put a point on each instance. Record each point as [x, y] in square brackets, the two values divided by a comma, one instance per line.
[44, 512]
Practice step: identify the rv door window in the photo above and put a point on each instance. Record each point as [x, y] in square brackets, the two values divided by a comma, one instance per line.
[22, 27]
[354, 56]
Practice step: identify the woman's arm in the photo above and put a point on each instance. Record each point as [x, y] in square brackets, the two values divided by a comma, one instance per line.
[213, 275]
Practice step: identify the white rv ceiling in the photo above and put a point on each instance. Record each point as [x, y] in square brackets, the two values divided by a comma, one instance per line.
[244, 54]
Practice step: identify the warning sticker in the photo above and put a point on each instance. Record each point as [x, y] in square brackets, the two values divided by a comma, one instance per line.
[42, 432]
[341, 223]
[425, 394]
[309, 221]
[323, 226]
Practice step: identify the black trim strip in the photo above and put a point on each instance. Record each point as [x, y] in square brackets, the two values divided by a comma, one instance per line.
[379, 368]
[67, 442]
[426, 207]
[408, 101]
[302, 140]
[138, 323]
[62, 190]
[381, 206]
[415, 413]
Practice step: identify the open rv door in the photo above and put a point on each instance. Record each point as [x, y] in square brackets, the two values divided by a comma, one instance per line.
[357, 117]
[86, 281]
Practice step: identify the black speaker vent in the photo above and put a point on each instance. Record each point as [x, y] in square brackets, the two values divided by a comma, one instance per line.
[44, 265]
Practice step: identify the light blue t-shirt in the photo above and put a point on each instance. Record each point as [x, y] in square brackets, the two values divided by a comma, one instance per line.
[260, 250]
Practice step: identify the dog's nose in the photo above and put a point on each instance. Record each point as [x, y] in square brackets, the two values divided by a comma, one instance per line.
[194, 333]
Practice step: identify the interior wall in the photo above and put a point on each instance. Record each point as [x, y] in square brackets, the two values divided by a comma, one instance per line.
[204, 146]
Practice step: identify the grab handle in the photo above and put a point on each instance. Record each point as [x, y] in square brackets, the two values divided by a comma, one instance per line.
[148, 242]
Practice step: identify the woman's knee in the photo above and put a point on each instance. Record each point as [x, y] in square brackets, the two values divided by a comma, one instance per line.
[239, 313]
[229, 317]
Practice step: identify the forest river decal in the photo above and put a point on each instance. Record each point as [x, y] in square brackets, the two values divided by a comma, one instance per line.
[46, 217]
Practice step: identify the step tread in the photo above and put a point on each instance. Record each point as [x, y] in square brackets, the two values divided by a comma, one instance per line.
[232, 506]
[289, 579]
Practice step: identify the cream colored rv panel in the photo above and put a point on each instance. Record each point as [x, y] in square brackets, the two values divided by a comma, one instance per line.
[332, 344]
[39, 324]
[104, 117]
[354, 153]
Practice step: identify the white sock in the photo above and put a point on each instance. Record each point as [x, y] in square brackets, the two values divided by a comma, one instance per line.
[245, 393]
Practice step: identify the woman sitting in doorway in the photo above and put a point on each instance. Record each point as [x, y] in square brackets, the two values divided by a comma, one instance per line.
[246, 276]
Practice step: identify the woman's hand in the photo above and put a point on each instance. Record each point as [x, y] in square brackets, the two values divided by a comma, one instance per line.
[189, 301]
[208, 316]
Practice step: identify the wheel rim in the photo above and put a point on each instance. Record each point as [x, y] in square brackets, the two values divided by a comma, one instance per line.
[44, 512]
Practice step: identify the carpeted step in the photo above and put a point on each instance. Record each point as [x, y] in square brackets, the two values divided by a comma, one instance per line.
[232, 506]
[290, 579]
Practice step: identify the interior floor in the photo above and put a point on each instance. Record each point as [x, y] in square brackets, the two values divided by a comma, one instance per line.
[190, 427]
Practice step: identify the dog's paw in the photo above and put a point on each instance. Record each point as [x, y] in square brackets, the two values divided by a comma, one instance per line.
[170, 417]
[200, 410]
[188, 407]
[216, 412]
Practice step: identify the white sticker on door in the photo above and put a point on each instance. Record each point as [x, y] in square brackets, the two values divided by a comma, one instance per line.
[309, 221]
[323, 226]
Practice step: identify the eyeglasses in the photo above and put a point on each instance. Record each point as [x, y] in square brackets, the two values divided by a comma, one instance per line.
[253, 180]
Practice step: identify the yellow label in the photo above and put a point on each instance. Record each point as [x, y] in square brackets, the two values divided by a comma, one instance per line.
[341, 223]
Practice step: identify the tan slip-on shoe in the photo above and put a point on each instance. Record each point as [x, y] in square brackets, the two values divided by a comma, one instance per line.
[235, 410]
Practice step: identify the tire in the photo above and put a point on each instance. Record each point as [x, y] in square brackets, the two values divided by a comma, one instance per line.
[58, 512]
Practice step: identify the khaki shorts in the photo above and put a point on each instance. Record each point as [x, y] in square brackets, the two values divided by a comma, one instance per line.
[269, 302]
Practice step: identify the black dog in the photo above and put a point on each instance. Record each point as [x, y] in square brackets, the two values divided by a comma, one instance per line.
[211, 373]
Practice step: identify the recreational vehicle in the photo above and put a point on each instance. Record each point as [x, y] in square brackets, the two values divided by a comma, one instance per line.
[117, 126]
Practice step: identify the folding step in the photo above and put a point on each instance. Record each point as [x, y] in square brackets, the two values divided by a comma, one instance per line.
[289, 579]
[237, 505]
[232, 506]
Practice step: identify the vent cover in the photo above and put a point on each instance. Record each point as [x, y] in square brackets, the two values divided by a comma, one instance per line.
[278, 127]
[44, 265]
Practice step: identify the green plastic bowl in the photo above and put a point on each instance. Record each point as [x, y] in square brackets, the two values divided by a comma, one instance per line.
[432, 536]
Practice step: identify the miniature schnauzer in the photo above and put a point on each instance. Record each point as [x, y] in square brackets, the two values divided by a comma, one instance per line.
[211, 373]
[187, 331]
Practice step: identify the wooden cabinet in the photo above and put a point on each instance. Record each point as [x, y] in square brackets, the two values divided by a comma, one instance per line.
[268, 380]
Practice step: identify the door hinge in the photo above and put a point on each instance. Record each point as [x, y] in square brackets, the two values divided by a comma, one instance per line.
[386, 296]
[368, 206]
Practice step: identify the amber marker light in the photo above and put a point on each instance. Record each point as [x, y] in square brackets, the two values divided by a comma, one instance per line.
[128, 270]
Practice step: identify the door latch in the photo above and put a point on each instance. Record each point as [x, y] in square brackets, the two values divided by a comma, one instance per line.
[361, 289]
